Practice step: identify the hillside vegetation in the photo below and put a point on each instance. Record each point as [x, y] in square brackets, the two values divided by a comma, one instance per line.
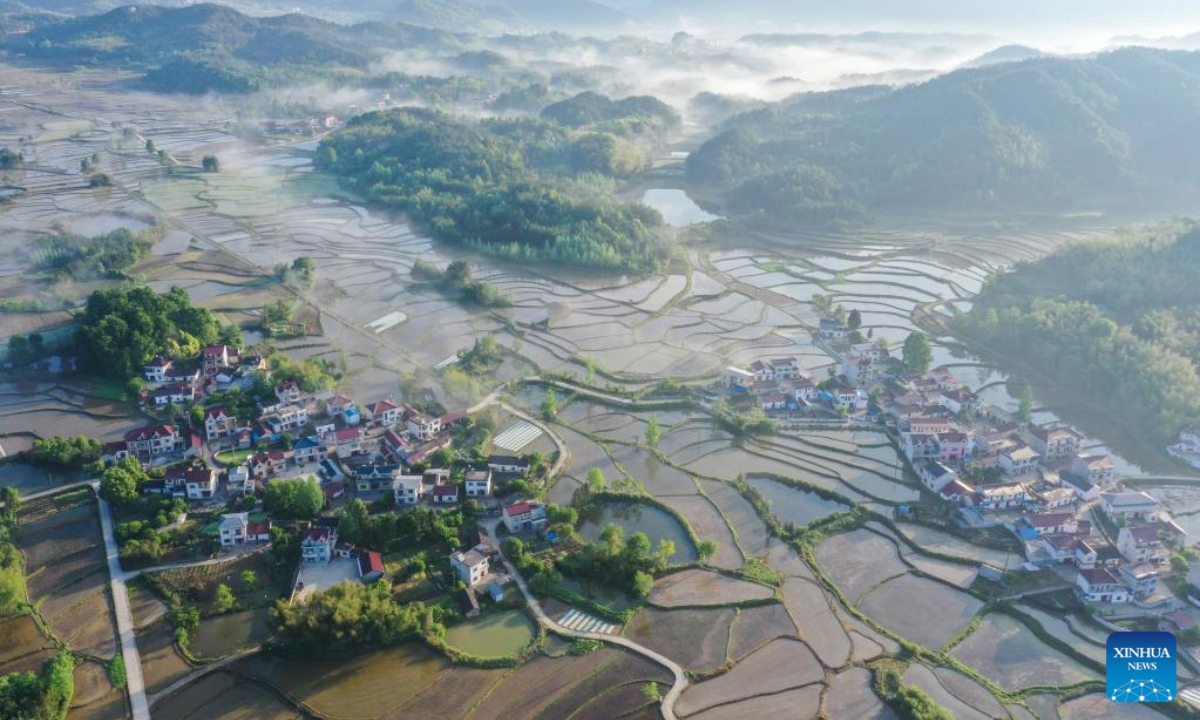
[1116, 320]
[205, 47]
[521, 189]
[1047, 133]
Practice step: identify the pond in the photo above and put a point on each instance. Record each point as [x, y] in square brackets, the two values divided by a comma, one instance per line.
[792, 505]
[494, 635]
[220, 636]
[676, 207]
[635, 517]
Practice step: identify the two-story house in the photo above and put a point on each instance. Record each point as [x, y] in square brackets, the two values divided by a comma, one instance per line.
[408, 489]
[316, 545]
[1100, 585]
[384, 413]
[1141, 544]
[237, 529]
[1055, 443]
[471, 566]
[153, 441]
[523, 515]
[218, 423]
[478, 483]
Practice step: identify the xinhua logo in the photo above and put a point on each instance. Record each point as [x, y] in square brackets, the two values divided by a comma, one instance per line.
[1140, 667]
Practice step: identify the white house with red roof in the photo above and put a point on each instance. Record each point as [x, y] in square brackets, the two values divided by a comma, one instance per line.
[384, 412]
[268, 464]
[237, 529]
[524, 515]
[316, 544]
[153, 441]
[215, 358]
[155, 371]
[421, 425]
[347, 442]
[288, 393]
[1051, 523]
[444, 494]
[218, 423]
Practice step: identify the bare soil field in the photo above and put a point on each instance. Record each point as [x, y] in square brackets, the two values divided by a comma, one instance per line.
[850, 698]
[697, 639]
[781, 665]
[755, 626]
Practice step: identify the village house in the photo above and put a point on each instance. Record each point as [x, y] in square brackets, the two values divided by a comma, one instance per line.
[155, 371]
[1051, 523]
[1129, 506]
[925, 425]
[958, 492]
[218, 423]
[288, 393]
[831, 329]
[849, 399]
[287, 418]
[1140, 578]
[919, 447]
[337, 405]
[1051, 549]
[215, 358]
[317, 544]
[524, 515]
[1141, 543]
[773, 401]
[153, 441]
[946, 381]
[736, 377]
[960, 401]
[347, 442]
[268, 464]
[953, 447]
[804, 390]
[1085, 554]
[1018, 461]
[858, 371]
[935, 475]
[394, 444]
[370, 566]
[372, 476]
[1000, 496]
[408, 489]
[420, 425]
[1055, 443]
[239, 480]
[775, 369]
[444, 494]
[173, 394]
[385, 413]
[478, 483]
[307, 450]
[236, 529]
[508, 465]
[1099, 470]
[1049, 498]
[1099, 585]
[471, 566]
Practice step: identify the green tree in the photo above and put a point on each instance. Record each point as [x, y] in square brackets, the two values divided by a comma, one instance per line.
[643, 582]
[653, 432]
[353, 521]
[249, 579]
[650, 690]
[595, 480]
[294, 499]
[210, 163]
[550, 405]
[706, 549]
[1025, 404]
[223, 600]
[854, 322]
[917, 353]
[120, 483]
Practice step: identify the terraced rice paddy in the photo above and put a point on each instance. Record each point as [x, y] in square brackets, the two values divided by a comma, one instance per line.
[1006, 651]
[699, 587]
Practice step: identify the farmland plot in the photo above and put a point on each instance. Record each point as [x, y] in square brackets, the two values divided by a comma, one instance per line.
[1006, 651]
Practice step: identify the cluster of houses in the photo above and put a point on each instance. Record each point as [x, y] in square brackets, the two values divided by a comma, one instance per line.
[1187, 448]
[1038, 483]
[776, 384]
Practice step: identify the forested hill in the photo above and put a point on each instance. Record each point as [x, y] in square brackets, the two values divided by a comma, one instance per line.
[1047, 133]
[207, 46]
[1117, 321]
[527, 190]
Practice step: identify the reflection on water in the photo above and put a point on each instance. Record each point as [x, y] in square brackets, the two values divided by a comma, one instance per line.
[676, 207]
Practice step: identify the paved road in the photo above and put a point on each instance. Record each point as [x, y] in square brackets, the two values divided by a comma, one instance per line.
[135, 684]
[57, 489]
[681, 680]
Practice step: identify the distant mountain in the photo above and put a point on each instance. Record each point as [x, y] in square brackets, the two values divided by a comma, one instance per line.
[1005, 54]
[894, 39]
[17, 17]
[578, 16]
[214, 47]
[452, 15]
[1112, 130]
